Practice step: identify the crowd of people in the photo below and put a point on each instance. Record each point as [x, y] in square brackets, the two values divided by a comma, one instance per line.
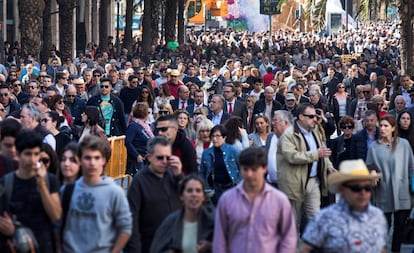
[235, 142]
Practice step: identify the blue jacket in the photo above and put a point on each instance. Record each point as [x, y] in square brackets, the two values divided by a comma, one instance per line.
[136, 141]
[230, 155]
[359, 148]
[76, 110]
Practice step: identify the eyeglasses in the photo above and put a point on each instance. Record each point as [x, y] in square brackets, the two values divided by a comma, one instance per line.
[4, 94]
[105, 86]
[162, 129]
[32, 87]
[359, 188]
[44, 160]
[311, 116]
[60, 102]
[197, 113]
[347, 127]
[45, 120]
[162, 158]
[140, 73]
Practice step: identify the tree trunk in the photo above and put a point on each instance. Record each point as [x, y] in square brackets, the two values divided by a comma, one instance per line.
[406, 41]
[170, 19]
[156, 8]
[31, 24]
[81, 28]
[146, 30]
[181, 25]
[128, 25]
[47, 33]
[103, 25]
[66, 27]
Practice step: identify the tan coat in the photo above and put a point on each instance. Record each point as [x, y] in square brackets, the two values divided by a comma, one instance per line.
[293, 160]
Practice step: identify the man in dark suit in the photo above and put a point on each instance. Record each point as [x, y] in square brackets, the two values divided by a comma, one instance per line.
[267, 105]
[217, 115]
[232, 105]
[198, 102]
[183, 99]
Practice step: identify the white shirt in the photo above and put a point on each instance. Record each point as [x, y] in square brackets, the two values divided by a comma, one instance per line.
[271, 160]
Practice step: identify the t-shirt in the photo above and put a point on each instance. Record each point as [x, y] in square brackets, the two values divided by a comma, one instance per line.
[107, 112]
[26, 204]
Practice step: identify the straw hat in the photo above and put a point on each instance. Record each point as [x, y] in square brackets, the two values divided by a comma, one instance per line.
[78, 81]
[175, 72]
[348, 171]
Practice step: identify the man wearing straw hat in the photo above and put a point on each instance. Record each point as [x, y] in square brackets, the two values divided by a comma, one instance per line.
[352, 224]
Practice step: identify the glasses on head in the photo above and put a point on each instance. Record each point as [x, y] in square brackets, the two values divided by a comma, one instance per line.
[32, 87]
[105, 86]
[258, 114]
[162, 129]
[162, 158]
[359, 188]
[311, 116]
[347, 127]
[4, 94]
[44, 160]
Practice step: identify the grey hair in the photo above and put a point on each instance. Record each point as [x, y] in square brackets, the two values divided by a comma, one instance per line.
[399, 97]
[221, 99]
[284, 116]
[157, 140]
[33, 111]
[368, 113]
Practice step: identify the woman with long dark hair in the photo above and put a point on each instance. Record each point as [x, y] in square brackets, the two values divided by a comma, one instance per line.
[90, 120]
[392, 157]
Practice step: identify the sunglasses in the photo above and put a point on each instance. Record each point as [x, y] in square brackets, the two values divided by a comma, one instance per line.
[71, 96]
[60, 102]
[105, 86]
[347, 127]
[44, 160]
[359, 188]
[140, 73]
[162, 158]
[32, 87]
[162, 129]
[311, 116]
[380, 105]
[367, 91]
[45, 120]
[4, 94]
[164, 112]
[96, 75]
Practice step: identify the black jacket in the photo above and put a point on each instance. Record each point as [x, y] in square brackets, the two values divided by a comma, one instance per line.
[169, 234]
[260, 107]
[76, 110]
[183, 148]
[118, 124]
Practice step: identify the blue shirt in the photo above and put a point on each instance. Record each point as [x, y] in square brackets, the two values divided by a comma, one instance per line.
[310, 140]
[337, 228]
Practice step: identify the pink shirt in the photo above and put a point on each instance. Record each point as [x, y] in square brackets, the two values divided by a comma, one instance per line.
[265, 225]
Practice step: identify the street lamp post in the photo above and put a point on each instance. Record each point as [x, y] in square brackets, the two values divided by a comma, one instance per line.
[117, 41]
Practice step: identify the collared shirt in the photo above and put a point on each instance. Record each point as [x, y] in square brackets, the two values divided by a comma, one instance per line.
[268, 110]
[180, 104]
[271, 160]
[217, 118]
[337, 228]
[369, 139]
[263, 225]
[310, 140]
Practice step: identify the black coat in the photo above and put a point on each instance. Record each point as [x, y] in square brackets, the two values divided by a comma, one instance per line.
[118, 124]
[359, 148]
[260, 107]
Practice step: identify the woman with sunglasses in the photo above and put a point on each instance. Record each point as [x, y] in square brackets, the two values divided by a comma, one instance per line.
[136, 137]
[49, 159]
[339, 103]
[57, 103]
[52, 122]
[341, 145]
[189, 229]
[391, 156]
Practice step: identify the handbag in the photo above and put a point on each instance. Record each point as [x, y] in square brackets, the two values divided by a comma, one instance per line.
[23, 240]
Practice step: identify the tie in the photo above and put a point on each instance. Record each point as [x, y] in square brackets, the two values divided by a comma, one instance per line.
[182, 105]
[230, 108]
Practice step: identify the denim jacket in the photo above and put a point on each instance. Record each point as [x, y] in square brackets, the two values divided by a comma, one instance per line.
[230, 156]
